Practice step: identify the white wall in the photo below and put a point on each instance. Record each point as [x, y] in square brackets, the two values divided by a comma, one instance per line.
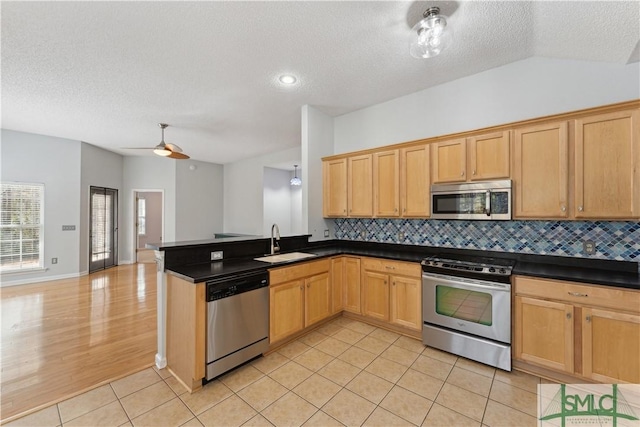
[199, 199]
[99, 168]
[153, 218]
[243, 188]
[140, 174]
[55, 162]
[525, 89]
[317, 142]
[276, 201]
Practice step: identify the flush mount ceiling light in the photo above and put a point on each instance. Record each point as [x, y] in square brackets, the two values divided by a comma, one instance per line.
[295, 180]
[287, 79]
[431, 35]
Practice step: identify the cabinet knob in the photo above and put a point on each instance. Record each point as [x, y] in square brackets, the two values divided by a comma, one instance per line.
[474, 172]
[395, 210]
[345, 211]
[580, 208]
[588, 318]
[568, 315]
[462, 173]
[394, 283]
[308, 285]
[405, 209]
[301, 287]
[385, 282]
[563, 208]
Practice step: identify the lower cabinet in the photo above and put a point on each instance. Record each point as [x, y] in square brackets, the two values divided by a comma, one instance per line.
[392, 292]
[352, 284]
[299, 296]
[586, 331]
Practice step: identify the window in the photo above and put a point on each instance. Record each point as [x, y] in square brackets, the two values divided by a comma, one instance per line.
[142, 212]
[21, 226]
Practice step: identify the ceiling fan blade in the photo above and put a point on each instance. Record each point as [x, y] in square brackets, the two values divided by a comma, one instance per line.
[136, 148]
[176, 155]
[173, 147]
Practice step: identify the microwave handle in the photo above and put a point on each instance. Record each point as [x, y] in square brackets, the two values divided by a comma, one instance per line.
[487, 203]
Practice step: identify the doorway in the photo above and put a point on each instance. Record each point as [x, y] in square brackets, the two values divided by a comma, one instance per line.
[103, 228]
[148, 223]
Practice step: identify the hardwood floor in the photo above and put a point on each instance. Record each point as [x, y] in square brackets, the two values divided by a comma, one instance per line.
[63, 337]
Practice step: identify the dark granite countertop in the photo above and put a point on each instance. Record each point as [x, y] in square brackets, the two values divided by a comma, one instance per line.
[602, 272]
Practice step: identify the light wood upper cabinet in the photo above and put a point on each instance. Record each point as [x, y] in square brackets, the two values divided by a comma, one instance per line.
[352, 287]
[488, 156]
[610, 346]
[607, 164]
[449, 161]
[360, 186]
[541, 171]
[406, 302]
[544, 333]
[386, 183]
[334, 188]
[415, 183]
[317, 299]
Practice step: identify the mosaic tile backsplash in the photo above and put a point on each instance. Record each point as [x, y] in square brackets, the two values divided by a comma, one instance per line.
[614, 240]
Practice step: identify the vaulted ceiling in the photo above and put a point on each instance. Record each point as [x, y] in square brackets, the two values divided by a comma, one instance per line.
[108, 72]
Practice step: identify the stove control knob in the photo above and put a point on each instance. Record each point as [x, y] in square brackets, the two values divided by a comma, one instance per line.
[502, 271]
[492, 270]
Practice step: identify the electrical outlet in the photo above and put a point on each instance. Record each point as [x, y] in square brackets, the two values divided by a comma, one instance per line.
[589, 247]
[400, 235]
[54, 260]
[326, 233]
[216, 255]
[363, 234]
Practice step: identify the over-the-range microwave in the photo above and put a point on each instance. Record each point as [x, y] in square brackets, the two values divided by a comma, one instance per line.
[488, 200]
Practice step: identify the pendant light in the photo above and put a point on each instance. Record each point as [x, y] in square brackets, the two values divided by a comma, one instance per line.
[431, 35]
[295, 180]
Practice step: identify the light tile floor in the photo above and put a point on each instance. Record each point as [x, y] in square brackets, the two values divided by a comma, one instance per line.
[343, 373]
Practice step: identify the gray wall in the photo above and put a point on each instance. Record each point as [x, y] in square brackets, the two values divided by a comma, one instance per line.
[55, 162]
[99, 168]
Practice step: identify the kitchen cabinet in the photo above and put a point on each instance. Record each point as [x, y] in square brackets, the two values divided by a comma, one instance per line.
[392, 292]
[607, 165]
[587, 331]
[415, 181]
[300, 296]
[386, 183]
[186, 331]
[449, 161]
[337, 284]
[334, 188]
[352, 285]
[360, 185]
[541, 171]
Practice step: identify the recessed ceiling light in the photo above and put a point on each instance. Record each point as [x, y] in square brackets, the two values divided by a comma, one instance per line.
[287, 79]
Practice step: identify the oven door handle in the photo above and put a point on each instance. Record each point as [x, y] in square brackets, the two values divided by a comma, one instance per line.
[487, 203]
[469, 284]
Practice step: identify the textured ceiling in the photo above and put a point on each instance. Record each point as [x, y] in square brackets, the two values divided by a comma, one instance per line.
[107, 72]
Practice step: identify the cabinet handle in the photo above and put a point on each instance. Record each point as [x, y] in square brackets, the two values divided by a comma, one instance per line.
[580, 208]
[395, 209]
[394, 283]
[344, 211]
[308, 285]
[405, 209]
[385, 282]
[474, 172]
[390, 267]
[301, 287]
[563, 208]
[462, 173]
[588, 318]
[568, 315]
[577, 294]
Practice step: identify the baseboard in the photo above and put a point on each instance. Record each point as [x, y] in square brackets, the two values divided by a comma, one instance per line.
[125, 261]
[5, 283]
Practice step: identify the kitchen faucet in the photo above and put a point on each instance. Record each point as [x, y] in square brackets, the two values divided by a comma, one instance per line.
[275, 245]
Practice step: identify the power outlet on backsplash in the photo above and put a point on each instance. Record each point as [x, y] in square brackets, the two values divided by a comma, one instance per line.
[589, 247]
[401, 236]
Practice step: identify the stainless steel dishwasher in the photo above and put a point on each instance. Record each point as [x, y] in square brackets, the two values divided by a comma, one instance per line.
[237, 321]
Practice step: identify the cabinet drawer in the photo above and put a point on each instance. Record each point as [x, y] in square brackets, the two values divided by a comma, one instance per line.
[392, 267]
[592, 295]
[287, 274]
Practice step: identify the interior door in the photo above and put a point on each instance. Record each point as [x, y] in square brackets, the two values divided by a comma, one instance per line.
[103, 228]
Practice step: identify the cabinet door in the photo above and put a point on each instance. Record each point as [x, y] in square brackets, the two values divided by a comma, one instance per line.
[449, 161]
[406, 302]
[610, 346]
[334, 188]
[544, 333]
[286, 305]
[541, 171]
[386, 184]
[360, 188]
[489, 156]
[415, 181]
[317, 299]
[352, 297]
[337, 284]
[607, 161]
[375, 295]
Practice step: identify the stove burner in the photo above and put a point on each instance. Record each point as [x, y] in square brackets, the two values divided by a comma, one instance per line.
[477, 265]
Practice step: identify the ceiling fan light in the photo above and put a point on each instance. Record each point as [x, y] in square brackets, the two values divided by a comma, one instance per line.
[162, 150]
[431, 35]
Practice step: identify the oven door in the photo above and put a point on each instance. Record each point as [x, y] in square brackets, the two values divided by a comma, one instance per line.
[470, 306]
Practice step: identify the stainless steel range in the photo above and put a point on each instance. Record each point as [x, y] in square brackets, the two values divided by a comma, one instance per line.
[466, 306]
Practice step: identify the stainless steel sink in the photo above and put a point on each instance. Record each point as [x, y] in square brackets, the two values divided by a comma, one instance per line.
[292, 256]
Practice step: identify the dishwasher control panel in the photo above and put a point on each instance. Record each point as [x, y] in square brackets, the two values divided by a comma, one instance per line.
[235, 285]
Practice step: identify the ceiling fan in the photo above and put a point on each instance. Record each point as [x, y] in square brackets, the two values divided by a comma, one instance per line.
[164, 149]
